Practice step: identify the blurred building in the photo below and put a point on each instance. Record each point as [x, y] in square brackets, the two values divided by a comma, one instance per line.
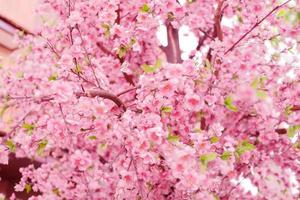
[15, 15]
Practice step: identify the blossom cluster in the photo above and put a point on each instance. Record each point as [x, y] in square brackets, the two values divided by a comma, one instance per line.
[99, 103]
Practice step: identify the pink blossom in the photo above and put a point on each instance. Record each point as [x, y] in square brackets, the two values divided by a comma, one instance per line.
[81, 160]
[193, 102]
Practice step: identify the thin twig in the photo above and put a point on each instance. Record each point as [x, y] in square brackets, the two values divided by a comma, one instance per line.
[256, 25]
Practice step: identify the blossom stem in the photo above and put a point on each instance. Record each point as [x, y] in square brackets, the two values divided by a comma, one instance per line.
[255, 26]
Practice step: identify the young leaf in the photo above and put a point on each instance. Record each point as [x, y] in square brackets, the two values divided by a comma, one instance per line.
[173, 138]
[225, 155]
[259, 82]
[53, 77]
[10, 145]
[106, 29]
[28, 188]
[229, 105]
[205, 159]
[28, 127]
[41, 147]
[292, 130]
[166, 109]
[152, 68]
[145, 8]
[78, 69]
[243, 147]
[214, 139]
[148, 68]
[122, 51]
[288, 110]
[92, 137]
[261, 94]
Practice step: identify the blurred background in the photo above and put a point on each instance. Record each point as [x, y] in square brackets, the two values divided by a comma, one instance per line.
[15, 15]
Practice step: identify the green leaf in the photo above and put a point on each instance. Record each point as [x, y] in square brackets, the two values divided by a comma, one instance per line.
[173, 138]
[152, 68]
[106, 29]
[214, 139]
[145, 8]
[282, 13]
[132, 41]
[292, 130]
[148, 68]
[259, 82]
[78, 69]
[10, 145]
[288, 110]
[53, 77]
[225, 155]
[243, 147]
[205, 159]
[28, 127]
[41, 147]
[158, 63]
[166, 109]
[261, 94]
[28, 188]
[229, 105]
[92, 137]
[122, 51]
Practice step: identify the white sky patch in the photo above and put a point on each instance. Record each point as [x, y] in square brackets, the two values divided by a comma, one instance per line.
[161, 34]
[247, 185]
[182, 2]
[187, 41]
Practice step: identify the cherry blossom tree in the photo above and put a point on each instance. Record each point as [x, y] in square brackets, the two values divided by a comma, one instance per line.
[106, 112]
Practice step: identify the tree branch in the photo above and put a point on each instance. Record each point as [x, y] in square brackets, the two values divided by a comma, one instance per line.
[103, 94]
[217, 26]
[256, 25]
[172, 50]
[217, 19]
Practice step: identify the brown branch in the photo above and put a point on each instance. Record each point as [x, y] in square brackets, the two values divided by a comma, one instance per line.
[103, 94]
[104, 49]
[295, 108]
[217, 19]
[202, 39]
[126, 91]
[2, 133]
[256, 25]
[281, 131]
[217, 26]
[172, 50]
